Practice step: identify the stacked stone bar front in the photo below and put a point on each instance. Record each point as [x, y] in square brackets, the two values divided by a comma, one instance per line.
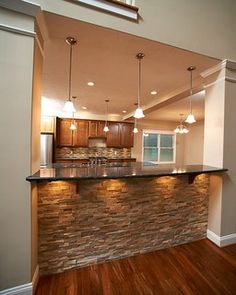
[94, 221]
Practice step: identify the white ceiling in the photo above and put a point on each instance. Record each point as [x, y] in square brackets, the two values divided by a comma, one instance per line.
[107, 58]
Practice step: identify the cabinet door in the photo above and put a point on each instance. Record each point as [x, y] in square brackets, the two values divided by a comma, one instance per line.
[100, 127]
[126, 135]
[64, 134]
[113, 135]
[80, 135]
[92, 128]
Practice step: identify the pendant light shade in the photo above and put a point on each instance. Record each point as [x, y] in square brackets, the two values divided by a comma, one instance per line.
[190, 118]
[181, 128]
[106, 129]
[69, 106]
[73, 125]
[138, 114]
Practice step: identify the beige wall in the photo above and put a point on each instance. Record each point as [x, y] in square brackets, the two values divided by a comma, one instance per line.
[193, 145]
[35, 145]
[157, 125]
[16, 61]
[189, 24]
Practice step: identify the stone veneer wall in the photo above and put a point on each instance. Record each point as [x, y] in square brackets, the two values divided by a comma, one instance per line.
[101, 220]
[82, 153]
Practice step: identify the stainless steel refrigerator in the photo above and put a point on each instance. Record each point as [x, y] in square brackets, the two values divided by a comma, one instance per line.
[46, 149]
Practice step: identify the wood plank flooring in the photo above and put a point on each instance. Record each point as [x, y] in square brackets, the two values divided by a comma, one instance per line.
[197, 268]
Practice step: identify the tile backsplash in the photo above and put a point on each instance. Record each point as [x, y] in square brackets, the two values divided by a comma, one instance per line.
[82, 153]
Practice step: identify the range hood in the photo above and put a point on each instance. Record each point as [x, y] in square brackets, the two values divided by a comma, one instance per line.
[97, 142]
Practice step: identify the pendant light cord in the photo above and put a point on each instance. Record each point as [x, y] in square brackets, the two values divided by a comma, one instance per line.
[191, 90]
[139, 81]
[70, 72]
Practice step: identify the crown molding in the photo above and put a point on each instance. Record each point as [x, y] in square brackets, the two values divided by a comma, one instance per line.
[225, 64]
[25, 7]
[17, 30]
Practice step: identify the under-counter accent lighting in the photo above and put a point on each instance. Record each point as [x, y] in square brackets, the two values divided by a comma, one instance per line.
[139, 112]
[69, 106]
[181, 128]
[154, 92]
[191, 119]
[91, 83]
[106, 129]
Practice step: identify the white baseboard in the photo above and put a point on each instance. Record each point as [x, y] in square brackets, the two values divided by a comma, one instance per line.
[26, 289]
[221, 241]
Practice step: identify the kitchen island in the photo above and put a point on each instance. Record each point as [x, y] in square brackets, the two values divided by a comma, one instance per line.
[92, 214]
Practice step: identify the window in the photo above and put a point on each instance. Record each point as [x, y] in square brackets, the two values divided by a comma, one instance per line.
[158, 146]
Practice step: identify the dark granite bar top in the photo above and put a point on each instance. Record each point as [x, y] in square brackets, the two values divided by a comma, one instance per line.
[116, 170]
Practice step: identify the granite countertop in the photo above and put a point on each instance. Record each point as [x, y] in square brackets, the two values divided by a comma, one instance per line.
[115, 170]
[87, 159]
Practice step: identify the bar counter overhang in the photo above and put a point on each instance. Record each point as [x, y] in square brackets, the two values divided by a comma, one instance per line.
[89, 215]
[118, 170]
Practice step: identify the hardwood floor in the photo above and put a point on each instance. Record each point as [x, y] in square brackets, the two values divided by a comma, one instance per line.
[196, 268]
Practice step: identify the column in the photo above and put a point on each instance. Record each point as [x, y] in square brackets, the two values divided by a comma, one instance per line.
[220, 150]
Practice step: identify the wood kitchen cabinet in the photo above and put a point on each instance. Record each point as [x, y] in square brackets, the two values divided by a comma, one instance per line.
[113, 135]
[126, 135]
[96, 129]
[64, 134]
[120, 135]
[80, 135]
[75, 138]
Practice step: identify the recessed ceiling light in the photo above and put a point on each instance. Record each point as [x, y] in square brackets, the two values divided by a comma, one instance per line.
[154, 92]
[124, 111]
[84, 108]
[90, 83]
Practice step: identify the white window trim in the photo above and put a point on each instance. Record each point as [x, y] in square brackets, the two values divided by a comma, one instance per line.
[160, 132]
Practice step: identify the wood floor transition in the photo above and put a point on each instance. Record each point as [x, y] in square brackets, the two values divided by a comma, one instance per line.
[196, 268]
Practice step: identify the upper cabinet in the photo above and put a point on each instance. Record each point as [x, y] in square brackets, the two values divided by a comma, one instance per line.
[80, 135]
[126, 135]
[96, 129]
[119, 134]
[64, 135]
[113, 135]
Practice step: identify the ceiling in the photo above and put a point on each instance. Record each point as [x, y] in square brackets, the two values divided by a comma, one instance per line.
[107, 58]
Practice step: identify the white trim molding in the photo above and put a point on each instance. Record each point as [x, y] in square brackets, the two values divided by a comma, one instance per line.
[225, 64]
[17, 30]
[25, 289]
[221, 241]
[110, 6]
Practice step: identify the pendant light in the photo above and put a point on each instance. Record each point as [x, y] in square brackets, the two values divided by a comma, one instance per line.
[106, 129]
[73, 125]
[191, 119]
[181, 128]
[69, 106]
[139, 112]
[135, 130]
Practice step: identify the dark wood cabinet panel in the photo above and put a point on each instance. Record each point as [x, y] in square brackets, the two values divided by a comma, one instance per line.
[113, 135]
[96, 129]
[80, 135]
[126, 135]
[92, 128]
[64, 134]
[100, 127]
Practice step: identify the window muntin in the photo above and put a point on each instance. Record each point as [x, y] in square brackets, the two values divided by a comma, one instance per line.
[158, 146]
